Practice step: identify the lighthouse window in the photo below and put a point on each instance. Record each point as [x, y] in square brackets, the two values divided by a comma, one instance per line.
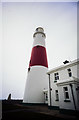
[37, 29]
[38, 46]
[28, 69]
[30, 61]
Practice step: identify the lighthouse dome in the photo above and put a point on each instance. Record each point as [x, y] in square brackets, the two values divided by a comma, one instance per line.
[39, 29]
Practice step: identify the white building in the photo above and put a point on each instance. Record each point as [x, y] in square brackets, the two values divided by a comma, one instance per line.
[63, 90]
[62, 82]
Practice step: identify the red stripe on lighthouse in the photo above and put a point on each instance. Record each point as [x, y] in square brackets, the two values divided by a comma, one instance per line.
[38, 56]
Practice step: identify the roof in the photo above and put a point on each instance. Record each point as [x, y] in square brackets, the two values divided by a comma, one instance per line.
[70, 64]
[68, 81]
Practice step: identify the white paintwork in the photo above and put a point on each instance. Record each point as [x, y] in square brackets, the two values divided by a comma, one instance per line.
[68, 105]
[62, 67]
[37, 81]
[65, 81]
[45, 91]
[54, 87]
[62, 104]
[39, 40]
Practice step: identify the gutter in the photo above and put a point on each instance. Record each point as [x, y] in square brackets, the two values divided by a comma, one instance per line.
[49, 89]
[73, 96]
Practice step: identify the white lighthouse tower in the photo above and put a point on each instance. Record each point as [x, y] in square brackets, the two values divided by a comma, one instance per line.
[37, 79]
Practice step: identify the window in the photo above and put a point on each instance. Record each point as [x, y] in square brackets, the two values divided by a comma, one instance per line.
[37, 29]
[46, 97]
[66, 94]
[28, 69]
[56, 75]
[57, 96]
[69, 72]
[30, 61]
[37, 46]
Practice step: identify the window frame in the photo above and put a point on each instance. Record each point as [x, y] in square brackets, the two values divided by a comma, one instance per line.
[56, 76]
[46, 96]
[56, 95]
[66, 93]
[69, 72]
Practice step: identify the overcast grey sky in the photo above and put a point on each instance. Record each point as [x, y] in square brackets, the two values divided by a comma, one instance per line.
[19, 21]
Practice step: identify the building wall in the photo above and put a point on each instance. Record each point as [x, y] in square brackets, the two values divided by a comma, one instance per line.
[76, 95]
[48, 93]
[63, 74]
[62, 104]
[54, 87]
[65, 80]
[78, 70]
[74, 71]
[77, 92]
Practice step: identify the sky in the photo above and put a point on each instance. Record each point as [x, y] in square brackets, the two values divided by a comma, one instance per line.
[19, 21]
[39, 0]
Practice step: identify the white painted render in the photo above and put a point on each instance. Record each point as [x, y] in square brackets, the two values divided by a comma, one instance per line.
[37, 81]
[59, 68]
[65, 81]
[62, 104]
[45, 91]
[39, 39]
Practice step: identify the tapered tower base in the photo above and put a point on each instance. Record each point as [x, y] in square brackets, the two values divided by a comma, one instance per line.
[37, 81]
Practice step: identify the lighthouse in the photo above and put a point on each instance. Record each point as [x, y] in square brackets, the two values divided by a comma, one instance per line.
[37, 79]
